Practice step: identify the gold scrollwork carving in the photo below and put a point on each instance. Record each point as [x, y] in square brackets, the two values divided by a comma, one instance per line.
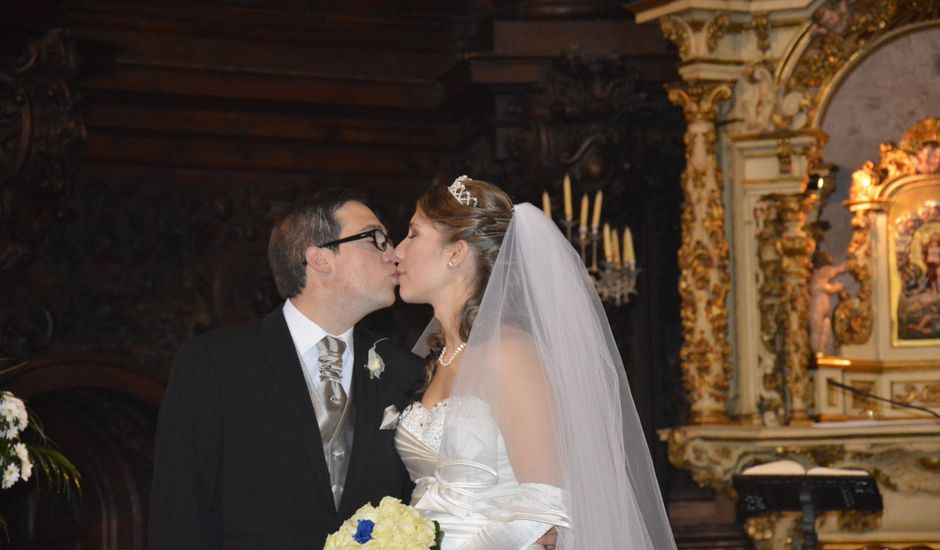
[712, 465]
[854, 521]
[770, 292]
[760, 24]
[853, 317]
[920, 392]
[815, 153]
[703, 257]
[678, 32]
[762, 529]
[796, 247]
[840, 29]
[784, 156]
[921, 144]
[824, 455]
[922, 133]
[918, 153]
[784, 251]
[902, 470]
[716, 29]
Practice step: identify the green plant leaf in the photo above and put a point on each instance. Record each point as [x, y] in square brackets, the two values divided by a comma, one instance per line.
[58, 470]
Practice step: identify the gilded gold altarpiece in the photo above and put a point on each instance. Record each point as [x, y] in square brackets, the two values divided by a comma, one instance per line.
[758, 77]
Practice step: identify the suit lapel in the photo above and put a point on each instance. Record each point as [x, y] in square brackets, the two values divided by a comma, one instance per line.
[365, 401]
[289, 378]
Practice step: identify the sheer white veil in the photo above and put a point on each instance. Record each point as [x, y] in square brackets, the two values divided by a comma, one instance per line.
[541, 355]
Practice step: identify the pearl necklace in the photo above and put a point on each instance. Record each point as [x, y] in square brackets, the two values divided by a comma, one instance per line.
[440, 360]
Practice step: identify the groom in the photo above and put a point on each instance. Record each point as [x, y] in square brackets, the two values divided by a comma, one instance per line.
[269, 432]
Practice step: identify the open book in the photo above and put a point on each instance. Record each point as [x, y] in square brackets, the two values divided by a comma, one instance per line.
[794, 468]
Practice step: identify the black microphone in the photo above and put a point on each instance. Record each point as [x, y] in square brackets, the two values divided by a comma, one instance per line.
[861, 393]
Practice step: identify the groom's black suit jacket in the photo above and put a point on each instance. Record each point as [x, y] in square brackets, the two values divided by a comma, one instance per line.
[239, 462]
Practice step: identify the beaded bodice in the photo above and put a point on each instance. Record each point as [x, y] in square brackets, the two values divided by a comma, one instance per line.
[426, 424]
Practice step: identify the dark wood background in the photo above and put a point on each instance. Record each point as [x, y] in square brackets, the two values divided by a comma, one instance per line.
[147, 146]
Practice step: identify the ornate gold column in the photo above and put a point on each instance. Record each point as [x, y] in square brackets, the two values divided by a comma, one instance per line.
[704, 282]
[770, 364]
[796, 247]
[785, 249]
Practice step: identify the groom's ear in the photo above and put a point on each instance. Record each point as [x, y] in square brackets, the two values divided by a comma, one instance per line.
[320, 259]
[458, 253]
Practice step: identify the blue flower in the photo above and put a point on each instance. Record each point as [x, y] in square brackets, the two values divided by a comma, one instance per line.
[364, 531]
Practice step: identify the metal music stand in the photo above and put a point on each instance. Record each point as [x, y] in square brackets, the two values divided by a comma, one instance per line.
[810, 494]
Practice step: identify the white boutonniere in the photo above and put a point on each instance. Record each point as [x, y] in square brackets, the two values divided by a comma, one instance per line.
[375, 365]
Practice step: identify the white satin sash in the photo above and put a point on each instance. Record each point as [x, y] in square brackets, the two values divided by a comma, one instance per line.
[490, 497]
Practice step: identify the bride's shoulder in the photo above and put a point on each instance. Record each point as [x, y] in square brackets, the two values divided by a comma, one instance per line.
[514, 340]
[518, 353]
[522, 371]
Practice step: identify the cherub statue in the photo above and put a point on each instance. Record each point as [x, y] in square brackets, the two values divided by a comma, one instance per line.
[758, 97]
[832, 18]
[821, 289]
[927, 160]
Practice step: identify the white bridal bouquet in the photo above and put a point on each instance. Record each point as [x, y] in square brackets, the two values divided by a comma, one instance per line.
[390, 526]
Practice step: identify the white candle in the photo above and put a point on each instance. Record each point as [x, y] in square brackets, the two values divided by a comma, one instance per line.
[566, 187]
[584, 212]
[607, 242]
[615, 246]
[598, 198]
[629, 258]
[547, 204]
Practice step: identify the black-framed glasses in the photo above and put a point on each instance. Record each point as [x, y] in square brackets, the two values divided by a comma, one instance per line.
[379, 239]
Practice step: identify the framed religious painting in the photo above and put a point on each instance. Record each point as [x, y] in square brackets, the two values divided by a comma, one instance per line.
[914, 261]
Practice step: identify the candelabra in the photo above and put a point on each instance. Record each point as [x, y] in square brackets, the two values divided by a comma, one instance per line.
[614, 275]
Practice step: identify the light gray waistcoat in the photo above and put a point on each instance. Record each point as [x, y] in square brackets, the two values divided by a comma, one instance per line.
[336, 450]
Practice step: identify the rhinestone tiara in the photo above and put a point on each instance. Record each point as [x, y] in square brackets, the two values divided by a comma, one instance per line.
[459, 191]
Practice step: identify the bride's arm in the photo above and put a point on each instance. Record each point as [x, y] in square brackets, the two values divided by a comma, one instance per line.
[527, 412]
[526, 421]
[506, 535]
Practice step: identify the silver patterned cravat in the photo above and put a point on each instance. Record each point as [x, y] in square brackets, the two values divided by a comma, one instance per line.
[330, 388]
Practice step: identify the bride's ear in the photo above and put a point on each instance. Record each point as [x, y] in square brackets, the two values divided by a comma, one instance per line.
[457, 253]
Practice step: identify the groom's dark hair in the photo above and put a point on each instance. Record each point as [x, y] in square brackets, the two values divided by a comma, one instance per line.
[309, 223]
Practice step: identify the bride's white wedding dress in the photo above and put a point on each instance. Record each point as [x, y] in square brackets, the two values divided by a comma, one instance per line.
[542, 359]
[468, 510]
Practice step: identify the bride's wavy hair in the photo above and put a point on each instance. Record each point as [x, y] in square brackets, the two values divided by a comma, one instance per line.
[482, 225]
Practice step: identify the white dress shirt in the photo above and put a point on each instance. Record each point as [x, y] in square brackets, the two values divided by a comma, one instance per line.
[306, 334]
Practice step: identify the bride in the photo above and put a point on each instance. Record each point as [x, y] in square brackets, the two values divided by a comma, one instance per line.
[526, 422]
